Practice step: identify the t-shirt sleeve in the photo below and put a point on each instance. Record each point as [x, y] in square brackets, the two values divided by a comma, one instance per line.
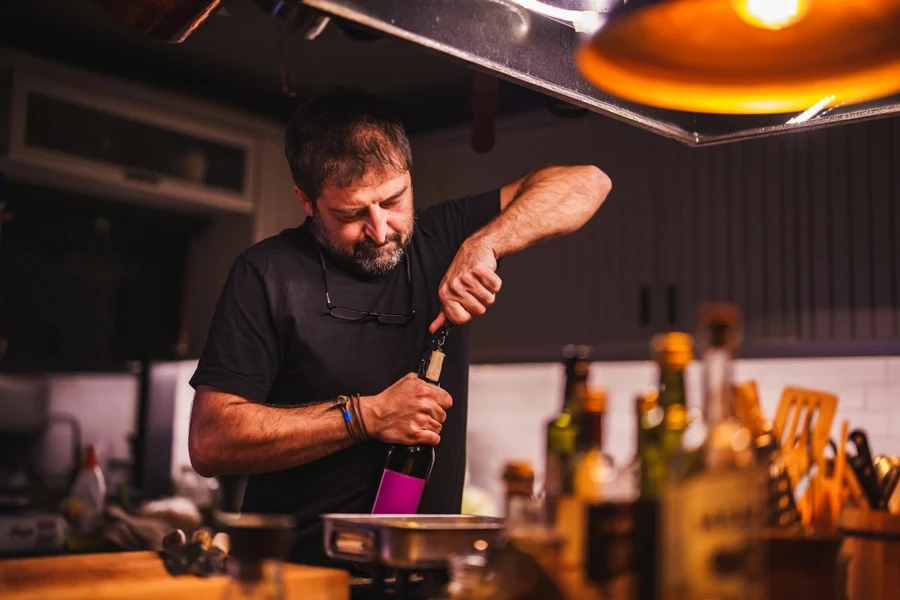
[451, 222]
[243, 350]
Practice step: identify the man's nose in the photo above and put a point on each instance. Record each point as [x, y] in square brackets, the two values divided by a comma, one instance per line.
[376, 227]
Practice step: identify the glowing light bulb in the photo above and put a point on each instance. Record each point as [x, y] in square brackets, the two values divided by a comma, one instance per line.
[771, 14]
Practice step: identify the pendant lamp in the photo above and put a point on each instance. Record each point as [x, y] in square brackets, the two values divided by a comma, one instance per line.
[746, 56]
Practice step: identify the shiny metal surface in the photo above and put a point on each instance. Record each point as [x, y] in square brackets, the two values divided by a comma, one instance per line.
[515, 43]
[406, 541]
[173, 21]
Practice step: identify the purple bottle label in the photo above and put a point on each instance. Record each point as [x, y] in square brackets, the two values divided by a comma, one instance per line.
[398, 494]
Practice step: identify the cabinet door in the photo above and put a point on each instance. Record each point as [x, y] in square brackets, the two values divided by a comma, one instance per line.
[637, 221]
[799, 230]
[598, 285]
[277, 207]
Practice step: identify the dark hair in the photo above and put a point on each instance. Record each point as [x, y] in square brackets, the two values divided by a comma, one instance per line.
[336, 137]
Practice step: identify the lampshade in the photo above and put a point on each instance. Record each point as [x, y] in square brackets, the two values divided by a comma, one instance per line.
[746, 56]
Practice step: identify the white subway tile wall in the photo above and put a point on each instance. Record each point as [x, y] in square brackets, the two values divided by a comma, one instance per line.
[893, 370]
[509, 404]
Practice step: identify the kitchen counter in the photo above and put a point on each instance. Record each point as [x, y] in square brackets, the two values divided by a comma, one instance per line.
[142, 576]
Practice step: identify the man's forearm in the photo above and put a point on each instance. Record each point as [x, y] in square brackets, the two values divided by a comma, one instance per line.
[231, 435]
[548, 203]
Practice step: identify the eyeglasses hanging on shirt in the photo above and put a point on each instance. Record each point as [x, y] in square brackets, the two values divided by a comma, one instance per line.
[352, 314]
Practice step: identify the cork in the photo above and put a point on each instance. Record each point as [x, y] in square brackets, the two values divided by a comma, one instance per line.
[435, 363]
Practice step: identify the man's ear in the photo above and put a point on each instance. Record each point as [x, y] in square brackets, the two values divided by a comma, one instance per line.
[308, 205]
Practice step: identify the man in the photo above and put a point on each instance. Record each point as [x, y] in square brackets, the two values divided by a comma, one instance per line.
[298, 321]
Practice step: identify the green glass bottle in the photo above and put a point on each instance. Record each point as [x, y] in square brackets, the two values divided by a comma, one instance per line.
[562, 431]
[661, 426]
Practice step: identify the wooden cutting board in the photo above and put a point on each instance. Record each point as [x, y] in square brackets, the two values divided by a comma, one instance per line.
[141, 576]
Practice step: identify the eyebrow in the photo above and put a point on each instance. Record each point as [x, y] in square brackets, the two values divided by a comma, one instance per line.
[352, 212]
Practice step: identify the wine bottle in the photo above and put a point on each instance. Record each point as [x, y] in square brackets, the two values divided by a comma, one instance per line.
[592, 469]
[562, 430]
[407, 468]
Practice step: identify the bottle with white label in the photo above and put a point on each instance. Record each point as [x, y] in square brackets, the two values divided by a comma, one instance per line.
[714, 507]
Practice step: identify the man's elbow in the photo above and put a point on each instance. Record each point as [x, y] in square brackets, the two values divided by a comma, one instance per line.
[203, 455]
[597, 183]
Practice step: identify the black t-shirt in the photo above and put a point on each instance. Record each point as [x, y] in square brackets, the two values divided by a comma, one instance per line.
[272, 341]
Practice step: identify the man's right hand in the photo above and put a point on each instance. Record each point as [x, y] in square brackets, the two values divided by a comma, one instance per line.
[409, 412]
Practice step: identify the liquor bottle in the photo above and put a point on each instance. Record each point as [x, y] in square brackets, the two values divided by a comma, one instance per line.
[673, 352]
[407, 468]
[661, 423]
[592, 466]
[591, 470]
[563, 430]
[713, 506]
[521, 505]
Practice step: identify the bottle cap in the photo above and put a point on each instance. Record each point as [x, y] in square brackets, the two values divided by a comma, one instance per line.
[595, 400]
[674, 349]
[577, 359]
[720, 324]
[519, 476]
[577, 351]
[90, 459]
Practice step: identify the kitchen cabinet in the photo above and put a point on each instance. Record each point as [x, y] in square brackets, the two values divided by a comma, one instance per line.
[824, 268]
[277, 207]
[801, 230]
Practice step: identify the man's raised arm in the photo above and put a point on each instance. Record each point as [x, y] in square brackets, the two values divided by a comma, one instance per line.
[548, 203]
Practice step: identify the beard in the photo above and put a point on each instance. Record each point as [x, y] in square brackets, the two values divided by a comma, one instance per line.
[366, 257]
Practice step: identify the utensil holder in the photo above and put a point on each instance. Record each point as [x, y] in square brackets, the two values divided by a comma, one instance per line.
[872, 548]
[802, 566]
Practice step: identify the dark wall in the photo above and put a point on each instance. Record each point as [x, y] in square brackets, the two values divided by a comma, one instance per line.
[803, 231]
[87, 285]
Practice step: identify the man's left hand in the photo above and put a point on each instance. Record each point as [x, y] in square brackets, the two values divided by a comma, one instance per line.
[470, 284]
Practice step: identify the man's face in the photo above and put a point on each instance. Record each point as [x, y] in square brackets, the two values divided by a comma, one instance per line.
[367, 225]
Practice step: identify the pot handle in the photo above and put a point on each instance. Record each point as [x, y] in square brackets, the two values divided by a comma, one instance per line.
[352, 545]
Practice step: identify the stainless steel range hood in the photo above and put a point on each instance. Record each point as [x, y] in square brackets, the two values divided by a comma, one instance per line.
[506, 39]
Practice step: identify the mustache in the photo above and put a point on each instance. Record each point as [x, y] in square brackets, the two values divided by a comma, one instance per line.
[368, 245]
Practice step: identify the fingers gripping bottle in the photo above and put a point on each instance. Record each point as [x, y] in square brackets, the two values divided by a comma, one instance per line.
[407, 468]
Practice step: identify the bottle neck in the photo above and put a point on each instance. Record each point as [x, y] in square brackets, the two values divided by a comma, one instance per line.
[671, 385]
[576, 389]
[590, 431]
[522, 509]
[717, 395]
